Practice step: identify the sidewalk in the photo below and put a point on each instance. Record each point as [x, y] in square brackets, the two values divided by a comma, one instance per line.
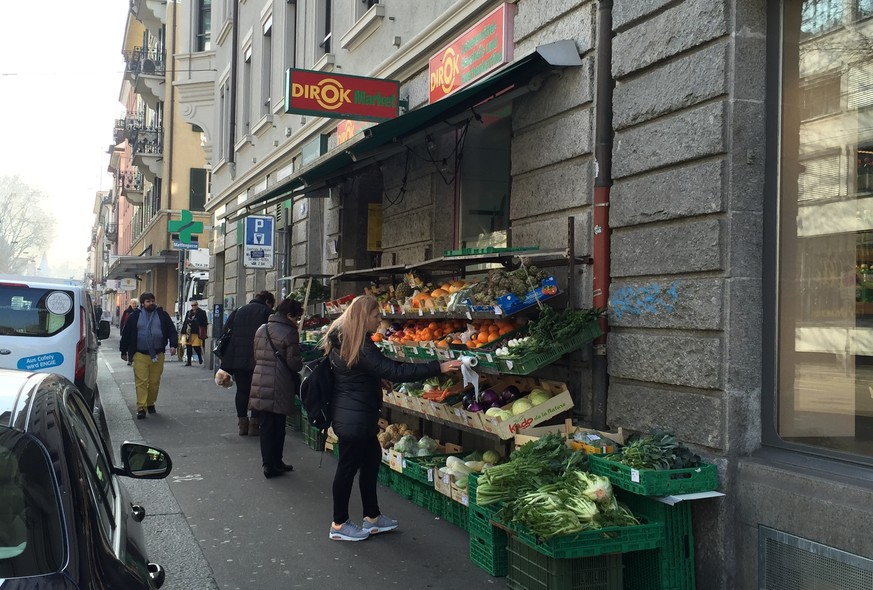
[216, 522]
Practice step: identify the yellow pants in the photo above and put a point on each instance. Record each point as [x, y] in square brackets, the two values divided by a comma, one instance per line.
[147, 377]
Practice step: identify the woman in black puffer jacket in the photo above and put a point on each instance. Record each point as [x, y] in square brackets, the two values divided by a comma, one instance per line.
[358, 369]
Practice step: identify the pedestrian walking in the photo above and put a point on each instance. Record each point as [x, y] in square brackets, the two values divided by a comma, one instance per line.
[239, 358]
[194, 328]
[132, 306]
[358, 368]
[147, 332]
[276, 380]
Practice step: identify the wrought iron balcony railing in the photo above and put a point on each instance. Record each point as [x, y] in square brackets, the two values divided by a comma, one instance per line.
[148, 142]
[130, 180]
[143, 61]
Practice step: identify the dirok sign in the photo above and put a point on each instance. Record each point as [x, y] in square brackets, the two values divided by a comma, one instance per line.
[340, 96]
[482, 48]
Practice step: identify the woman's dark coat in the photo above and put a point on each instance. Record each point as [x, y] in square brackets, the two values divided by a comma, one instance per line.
[357, 396]
[274, 384]
[243, 323]
[194, 321]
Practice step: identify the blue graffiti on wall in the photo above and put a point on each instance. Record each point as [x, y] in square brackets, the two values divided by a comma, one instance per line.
[652, 298]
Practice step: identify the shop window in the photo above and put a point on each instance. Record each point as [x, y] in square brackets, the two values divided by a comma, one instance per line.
[484, 181]
[822, 329]
[323, 28]
[204, 25]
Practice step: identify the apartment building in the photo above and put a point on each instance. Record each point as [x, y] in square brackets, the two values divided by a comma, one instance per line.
[708, 158]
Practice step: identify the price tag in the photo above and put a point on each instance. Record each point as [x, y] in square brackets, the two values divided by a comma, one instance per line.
[403, 463]
[420, 312]
[594, 437]
[469, 315]
[430, 474]
[508, 364]
[635, 475]
[498, 310]
[464, 500]
[488, 357]
[446, 479]
[413, 350]
[432, 406]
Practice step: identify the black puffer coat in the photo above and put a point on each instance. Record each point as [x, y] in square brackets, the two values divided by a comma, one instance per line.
[358, 391]
[243, 323]
[274, 384]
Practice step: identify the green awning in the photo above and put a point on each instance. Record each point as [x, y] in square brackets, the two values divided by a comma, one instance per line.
[380, 141]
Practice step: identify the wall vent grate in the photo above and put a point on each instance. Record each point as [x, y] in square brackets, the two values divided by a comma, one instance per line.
[788, 562]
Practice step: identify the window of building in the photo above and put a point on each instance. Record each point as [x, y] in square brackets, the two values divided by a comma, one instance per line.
[198, 189]
[245, 118]
[224, 120]
[267, 67]
[821, 98]
[822, 328]
[204, 25]
[290, 36]
[362, 6]
[323, 27]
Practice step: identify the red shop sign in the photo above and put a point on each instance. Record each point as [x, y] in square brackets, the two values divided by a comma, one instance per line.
[340, 96]
[482, 48]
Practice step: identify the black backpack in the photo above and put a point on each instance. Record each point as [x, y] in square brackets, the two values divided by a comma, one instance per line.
[316, 393]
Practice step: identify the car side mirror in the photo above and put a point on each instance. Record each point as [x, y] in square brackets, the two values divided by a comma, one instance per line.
[103, 330]
[144, 462]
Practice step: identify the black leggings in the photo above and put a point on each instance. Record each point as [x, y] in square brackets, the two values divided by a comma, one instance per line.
[243, 380]
[272, 438]
[198, 350]
[364, 455]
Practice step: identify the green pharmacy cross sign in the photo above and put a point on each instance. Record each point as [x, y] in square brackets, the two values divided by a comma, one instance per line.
[185, 227]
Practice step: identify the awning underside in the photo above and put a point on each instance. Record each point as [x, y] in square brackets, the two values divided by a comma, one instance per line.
[131, 266]
[384, 139]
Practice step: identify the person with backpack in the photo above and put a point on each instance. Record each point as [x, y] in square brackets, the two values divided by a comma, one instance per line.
[358, 367]
[239, 357]
[276, 381]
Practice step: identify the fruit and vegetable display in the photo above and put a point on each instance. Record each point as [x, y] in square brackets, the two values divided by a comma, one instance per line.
[658, 450]
[500, 282]
[550, 327]
[448, 333]
[317, 293]
[545, 486]
[393, 434]
[413, 293]
[508, 402]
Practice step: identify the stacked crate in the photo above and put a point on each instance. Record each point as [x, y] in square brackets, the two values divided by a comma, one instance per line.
[487, 542]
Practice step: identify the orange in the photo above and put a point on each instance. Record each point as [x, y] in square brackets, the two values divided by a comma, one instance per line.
[376, 337]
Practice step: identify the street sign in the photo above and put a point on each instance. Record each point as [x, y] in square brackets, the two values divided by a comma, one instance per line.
[180, 245]
[258, 245]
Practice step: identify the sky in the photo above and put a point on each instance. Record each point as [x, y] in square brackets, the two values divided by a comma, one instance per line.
[60, 77]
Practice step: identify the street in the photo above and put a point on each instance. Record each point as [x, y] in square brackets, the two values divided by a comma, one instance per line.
[216, 522]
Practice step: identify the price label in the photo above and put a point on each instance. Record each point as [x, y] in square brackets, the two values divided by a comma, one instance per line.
[464, 500]
[403, 463]
[508, 364]
[498, 310]
[469, 315]
[420, 312]
[430, 474]
[488, 357]
[635, 475]
[413, 350]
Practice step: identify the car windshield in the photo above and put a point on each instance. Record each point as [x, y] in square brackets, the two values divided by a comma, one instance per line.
[31, 534]
[26, 311]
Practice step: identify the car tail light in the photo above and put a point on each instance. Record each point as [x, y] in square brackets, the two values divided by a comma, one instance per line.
[80, 346]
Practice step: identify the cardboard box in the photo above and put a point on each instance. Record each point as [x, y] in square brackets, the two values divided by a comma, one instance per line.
[560, 402]
[566, 430]
[459, 495]
[395, 461]
[443, 484]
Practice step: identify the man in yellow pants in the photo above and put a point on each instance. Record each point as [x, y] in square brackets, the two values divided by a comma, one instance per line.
[146, 334]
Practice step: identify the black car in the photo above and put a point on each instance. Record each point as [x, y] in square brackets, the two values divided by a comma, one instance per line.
[66, 521]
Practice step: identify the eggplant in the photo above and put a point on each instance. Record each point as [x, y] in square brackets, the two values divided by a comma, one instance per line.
[511, 393]
[474, 407]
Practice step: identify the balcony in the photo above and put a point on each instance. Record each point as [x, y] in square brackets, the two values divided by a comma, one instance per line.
[146, 70]
[148, 153]
[151, 13]
[130, 185]
[118, 133]
[110, 232]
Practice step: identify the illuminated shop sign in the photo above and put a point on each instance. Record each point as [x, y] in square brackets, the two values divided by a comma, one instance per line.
[339, 96]
[482, 48]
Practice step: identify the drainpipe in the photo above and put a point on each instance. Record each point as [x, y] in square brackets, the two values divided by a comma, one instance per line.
[602, 184]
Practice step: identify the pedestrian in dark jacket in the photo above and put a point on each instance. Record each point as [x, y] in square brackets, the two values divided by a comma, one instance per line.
[147, 332]
[132, 306]
[239, 358]
[194, 328]
[276, 381]
[358, 369]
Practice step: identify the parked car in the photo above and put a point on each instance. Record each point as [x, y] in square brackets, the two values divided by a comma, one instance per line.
[66, 520]
[49, 325]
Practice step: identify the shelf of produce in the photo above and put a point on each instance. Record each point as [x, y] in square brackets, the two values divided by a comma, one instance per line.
[651, 482]
[528, 364]
[443, 421]
[367, 274]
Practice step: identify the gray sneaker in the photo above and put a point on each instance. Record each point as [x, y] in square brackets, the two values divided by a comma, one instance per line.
[382, 524]
[348, 532]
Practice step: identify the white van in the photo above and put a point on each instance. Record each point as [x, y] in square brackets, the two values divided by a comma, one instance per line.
[49, 326]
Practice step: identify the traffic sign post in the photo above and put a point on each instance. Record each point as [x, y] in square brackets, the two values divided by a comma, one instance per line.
[258, 245]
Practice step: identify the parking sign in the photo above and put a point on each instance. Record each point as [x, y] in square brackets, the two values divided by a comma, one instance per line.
[258, 246]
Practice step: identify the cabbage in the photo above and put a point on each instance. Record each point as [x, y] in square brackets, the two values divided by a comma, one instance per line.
[428, 445]
[406, 445]
[491, 457]
[521, 406]
[538, 396]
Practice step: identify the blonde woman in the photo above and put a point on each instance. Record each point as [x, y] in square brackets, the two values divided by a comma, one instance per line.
[358, 368]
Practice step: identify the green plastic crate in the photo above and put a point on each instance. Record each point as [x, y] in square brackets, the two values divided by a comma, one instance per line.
[479, 524]
[487, 543]
[529, 363]
[619, 539]
[531, 570]
[403, 485]
[415, 468]
[385, 475]
[651, 482]
[455, 512]
[294, 421]
[668, 568]
[428, 498]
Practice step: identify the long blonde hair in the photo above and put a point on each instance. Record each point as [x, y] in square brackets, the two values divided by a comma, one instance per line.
[351, 328]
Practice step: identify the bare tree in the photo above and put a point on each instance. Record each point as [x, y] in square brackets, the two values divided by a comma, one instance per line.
[25, 228]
